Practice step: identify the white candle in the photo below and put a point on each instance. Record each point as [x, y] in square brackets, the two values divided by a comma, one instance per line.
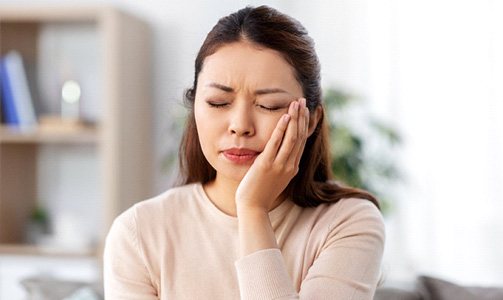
[70, 100]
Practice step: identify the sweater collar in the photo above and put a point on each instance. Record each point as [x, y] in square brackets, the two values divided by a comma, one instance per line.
[275, 215]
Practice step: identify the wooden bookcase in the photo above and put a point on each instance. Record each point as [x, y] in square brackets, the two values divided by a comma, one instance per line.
[120, 138]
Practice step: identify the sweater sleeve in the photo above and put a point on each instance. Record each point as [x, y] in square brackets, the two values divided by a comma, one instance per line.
[125, 272]
[347, 266]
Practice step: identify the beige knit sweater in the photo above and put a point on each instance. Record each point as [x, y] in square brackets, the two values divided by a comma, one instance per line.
[178, 245]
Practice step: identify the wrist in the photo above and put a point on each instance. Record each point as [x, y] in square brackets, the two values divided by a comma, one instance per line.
[255, 230]
[254, 212]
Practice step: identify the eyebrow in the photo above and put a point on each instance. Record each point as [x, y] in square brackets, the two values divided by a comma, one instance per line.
[257, 92]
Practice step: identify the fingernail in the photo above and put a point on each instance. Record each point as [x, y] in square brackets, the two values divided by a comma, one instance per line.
[303, 101]
[296, 105]
[286, 118]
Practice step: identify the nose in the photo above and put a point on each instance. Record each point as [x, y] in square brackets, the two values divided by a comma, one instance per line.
[241, 121]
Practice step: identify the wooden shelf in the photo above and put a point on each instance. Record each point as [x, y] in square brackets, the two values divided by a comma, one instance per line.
[105, 168]
[52, 13]
[118, 171]
[85, 135]
[23, 249]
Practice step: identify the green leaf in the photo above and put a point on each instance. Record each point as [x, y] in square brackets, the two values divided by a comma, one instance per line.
[352, 164]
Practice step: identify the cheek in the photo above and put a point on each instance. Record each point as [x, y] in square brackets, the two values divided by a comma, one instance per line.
[208, 121]
[203, 126]
[267, 127]
[209, 130]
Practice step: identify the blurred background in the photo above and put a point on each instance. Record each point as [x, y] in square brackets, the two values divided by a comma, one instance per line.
[428, 75]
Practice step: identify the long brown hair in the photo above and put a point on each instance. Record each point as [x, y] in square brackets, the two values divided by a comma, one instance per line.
[266, 27]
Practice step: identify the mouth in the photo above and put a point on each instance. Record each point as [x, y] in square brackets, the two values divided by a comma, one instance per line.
[240, 155]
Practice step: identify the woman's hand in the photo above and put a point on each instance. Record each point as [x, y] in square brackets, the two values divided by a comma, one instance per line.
[273, 169]
[267, 177]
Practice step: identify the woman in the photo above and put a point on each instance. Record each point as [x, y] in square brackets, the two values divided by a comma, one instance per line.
[258, 216]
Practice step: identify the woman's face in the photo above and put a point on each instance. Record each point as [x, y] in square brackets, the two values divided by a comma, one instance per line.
[242, 92]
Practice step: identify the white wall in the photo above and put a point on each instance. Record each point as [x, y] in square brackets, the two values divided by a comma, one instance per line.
[446, 75]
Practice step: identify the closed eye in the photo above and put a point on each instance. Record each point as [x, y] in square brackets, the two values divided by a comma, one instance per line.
[217, 104]
[270, 108]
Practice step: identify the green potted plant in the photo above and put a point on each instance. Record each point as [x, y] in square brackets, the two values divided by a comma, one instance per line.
[362, 147]
[38, 226]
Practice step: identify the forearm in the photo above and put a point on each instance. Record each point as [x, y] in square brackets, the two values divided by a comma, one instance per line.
[255, 230]
[261, 270]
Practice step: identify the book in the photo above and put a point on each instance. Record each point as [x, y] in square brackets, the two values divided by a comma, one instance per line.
[8, 105]
[18, 101]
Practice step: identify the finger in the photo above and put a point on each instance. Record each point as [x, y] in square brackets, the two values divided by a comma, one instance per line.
[305, 136]
[291, 135]
[303, 120]
[300, 131]
[272, 146]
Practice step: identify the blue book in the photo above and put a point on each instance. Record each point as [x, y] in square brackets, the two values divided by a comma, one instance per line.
[18, 82]
[8, 103]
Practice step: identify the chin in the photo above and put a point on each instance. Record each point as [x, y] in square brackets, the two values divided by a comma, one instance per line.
[235, 173]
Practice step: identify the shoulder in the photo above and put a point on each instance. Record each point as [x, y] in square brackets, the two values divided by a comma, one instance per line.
[349, 217]
[176, 196]
[346, 209]
[355, 208]
[160, 207]
[357, 224]
[358, 214]
[146, 223]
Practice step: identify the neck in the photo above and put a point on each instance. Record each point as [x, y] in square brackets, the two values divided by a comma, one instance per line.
[221, 192]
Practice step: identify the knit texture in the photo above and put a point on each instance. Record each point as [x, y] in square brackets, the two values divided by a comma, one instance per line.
[179, 245]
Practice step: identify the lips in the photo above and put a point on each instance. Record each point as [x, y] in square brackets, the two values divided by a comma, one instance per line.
[240, 155]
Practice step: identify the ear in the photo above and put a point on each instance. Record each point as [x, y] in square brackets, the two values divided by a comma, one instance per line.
[314, 118]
